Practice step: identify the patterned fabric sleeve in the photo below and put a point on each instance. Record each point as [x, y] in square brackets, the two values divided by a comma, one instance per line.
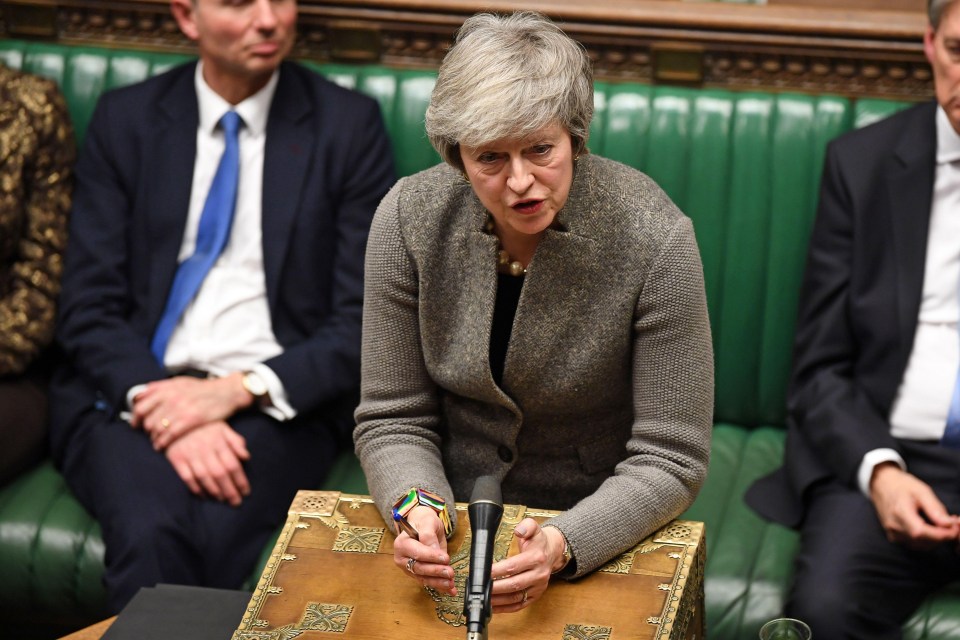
[37, 152]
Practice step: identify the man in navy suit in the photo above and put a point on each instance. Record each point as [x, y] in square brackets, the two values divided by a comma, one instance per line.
[188, 454]
[872, 467]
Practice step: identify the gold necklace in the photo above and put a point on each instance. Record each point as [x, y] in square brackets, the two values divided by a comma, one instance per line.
[505, 264]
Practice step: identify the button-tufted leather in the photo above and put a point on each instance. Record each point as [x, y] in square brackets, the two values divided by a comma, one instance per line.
[744, 166]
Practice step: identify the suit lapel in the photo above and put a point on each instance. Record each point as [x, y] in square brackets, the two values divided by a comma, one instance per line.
[558, 277]
[478, 272]
[910, 179]
[290, 146]
[173, 150]
[563, 272]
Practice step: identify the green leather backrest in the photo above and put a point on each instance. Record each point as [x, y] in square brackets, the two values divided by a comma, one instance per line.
[744, 166]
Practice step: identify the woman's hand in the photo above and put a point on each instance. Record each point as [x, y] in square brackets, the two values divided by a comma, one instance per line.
[426, 560]
[523, 578]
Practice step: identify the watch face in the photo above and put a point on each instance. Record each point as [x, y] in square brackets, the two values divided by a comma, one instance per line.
[254, 384]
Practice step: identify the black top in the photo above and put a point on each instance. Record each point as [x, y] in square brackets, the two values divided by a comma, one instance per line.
[504, 311]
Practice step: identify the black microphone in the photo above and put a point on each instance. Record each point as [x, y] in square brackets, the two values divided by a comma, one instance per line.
[486, 509]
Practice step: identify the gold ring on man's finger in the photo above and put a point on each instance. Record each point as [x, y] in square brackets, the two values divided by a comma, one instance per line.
[523, 600]
[165, 423]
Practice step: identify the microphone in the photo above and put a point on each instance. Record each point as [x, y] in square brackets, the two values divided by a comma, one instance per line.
[486, 509]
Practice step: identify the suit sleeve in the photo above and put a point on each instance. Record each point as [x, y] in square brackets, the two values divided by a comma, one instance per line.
[96, 300]
[327, 364]
[831, 411]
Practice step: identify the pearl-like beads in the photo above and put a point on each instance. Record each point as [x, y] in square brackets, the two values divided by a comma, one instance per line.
[504, 264]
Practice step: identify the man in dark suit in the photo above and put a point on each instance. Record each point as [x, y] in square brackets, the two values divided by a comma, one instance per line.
[872, 471]
[185, 422]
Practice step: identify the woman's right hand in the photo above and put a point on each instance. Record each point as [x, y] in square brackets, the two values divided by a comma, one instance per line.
[426, 560]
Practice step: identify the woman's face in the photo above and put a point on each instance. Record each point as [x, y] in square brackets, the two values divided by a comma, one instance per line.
[522, 183]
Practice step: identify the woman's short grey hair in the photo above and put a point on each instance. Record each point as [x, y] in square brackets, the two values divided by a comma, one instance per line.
[508, 77]
[935, 9]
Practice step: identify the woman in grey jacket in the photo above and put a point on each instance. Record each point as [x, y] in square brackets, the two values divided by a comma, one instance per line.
[534, 313]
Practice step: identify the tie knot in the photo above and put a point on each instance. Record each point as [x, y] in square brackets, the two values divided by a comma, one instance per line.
[230, 123]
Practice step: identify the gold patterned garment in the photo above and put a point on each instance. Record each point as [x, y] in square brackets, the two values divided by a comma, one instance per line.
[37, 151]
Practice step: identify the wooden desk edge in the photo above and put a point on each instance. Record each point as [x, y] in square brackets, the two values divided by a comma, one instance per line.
[93, 632]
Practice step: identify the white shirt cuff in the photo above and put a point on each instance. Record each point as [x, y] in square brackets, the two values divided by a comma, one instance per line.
[279, 407]
[871, 460]
[132, 393]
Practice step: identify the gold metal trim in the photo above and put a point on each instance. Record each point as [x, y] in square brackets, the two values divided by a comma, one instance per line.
[330, 618]
[621, 564]
[358, 539]
[312, 503]
[586, 632]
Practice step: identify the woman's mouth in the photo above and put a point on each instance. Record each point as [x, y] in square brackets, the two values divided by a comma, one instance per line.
[527, 206]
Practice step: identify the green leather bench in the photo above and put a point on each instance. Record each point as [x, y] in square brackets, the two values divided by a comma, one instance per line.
[744, 166]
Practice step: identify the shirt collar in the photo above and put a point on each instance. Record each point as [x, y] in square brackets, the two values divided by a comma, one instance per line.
[948, 142]
[254, 110]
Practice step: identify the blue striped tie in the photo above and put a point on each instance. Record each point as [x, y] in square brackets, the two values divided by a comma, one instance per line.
[212, 235]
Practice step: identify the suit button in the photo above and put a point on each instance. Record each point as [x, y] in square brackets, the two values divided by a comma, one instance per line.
[505, 454]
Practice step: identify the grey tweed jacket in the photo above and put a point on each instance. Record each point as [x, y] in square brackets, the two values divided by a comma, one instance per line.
[606, 405]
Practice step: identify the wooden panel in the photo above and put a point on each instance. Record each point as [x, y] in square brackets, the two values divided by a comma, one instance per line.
[332, 571]
[857, 49]
[887, 5]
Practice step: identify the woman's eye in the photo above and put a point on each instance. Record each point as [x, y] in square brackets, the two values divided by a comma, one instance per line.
[541, 149]
[487, 158]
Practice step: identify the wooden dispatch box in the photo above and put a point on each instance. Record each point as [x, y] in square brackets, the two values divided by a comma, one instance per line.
[331, 575]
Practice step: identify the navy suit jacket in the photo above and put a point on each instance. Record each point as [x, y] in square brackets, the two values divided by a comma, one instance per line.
[327, 164]
[859, 306]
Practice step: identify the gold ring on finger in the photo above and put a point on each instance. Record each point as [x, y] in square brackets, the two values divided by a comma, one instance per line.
[523, 600]
[165, 423]
[410, 563]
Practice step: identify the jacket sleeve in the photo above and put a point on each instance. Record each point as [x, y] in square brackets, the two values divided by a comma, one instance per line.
[397, 436]
[832, 412]
[669, 448]
[327, 364]
[95, 329]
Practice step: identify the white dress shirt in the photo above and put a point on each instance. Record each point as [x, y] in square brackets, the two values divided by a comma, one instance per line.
[922, 402]
[227, 326]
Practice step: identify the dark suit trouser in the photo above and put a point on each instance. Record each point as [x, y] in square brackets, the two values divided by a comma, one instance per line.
[156, 531]
[851, 582]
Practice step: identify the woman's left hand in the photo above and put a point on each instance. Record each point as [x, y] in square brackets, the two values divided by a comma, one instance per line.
[523, 578]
